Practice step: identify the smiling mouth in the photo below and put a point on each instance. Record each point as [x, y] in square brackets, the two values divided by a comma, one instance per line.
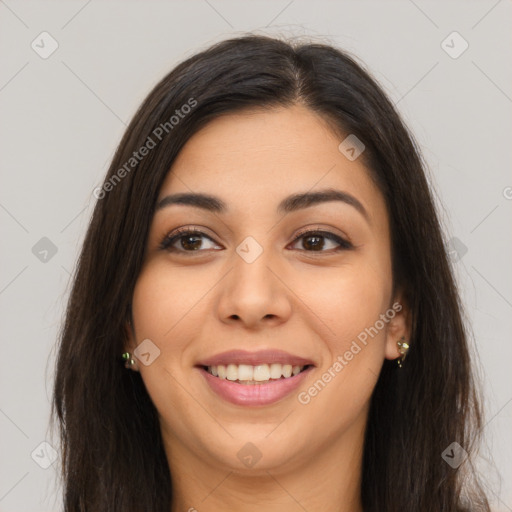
[254, 375]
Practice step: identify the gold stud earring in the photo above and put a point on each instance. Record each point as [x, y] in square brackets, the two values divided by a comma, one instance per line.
[403, 347]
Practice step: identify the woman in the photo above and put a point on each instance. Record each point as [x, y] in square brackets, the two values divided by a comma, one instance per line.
[263, 316]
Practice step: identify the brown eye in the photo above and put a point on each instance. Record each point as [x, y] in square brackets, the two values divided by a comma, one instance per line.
[315, 241]
[192, 240]
[184, 240]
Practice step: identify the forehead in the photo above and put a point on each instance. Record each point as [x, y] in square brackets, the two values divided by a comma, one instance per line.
[255, 158]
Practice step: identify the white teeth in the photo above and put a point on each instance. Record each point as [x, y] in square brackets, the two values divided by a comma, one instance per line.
[221, 371]
[247, 374]
[275, 370]
[232, 372]
[261, 373]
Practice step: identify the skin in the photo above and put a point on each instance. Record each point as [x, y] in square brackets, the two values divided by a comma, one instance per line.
[312, 303]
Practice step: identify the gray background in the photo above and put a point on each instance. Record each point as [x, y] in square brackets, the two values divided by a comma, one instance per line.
[63, 116]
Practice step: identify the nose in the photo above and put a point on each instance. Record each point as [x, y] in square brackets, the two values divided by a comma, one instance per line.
[254, 294]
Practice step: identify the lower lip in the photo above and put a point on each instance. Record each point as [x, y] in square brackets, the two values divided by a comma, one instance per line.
[257, 394]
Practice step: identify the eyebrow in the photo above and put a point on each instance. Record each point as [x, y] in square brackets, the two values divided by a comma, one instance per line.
[290, 204]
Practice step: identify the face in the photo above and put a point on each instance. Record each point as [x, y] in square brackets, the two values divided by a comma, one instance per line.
[269, 286]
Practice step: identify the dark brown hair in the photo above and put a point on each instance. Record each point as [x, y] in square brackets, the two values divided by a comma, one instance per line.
[112, 452]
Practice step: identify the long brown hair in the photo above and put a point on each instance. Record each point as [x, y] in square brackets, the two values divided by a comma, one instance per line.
[112, 452]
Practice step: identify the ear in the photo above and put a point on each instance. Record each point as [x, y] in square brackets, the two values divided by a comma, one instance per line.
[130, 343]
[399, 325]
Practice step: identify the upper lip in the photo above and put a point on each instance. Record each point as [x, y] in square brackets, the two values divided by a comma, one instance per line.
[255, 358]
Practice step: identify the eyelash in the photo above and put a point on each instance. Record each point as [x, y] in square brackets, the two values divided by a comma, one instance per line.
[170, 239]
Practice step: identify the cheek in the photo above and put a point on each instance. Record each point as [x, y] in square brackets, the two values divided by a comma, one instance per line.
[351, 306]
[348, 300]
[163, 311]
[164, 305]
